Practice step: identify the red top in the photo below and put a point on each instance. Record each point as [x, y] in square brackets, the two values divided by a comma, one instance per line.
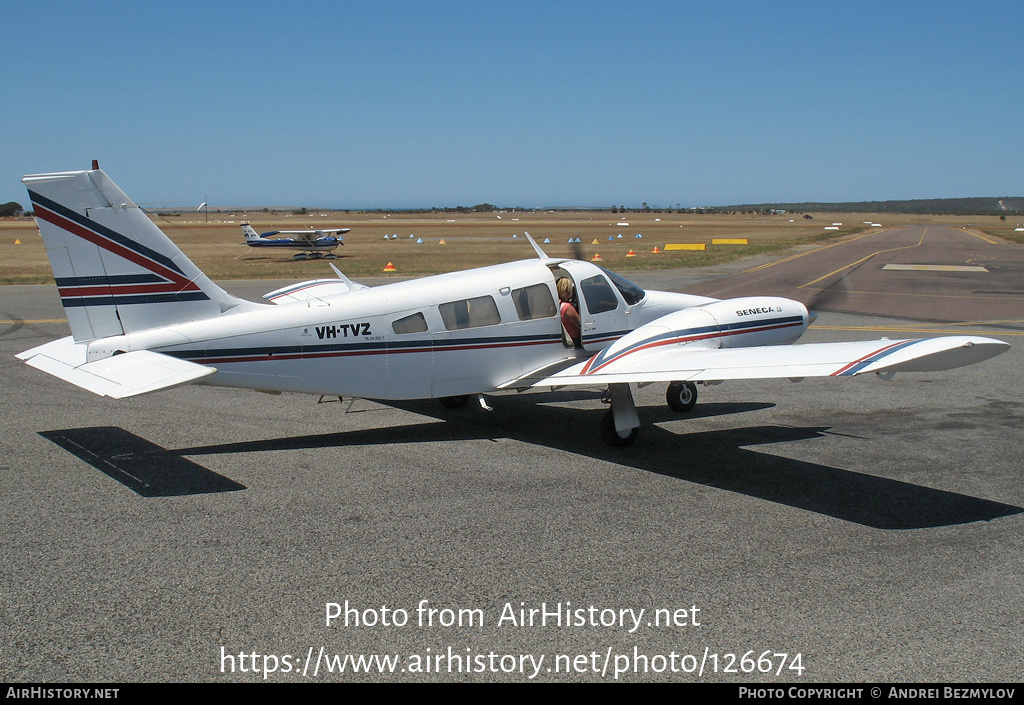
[571, 320]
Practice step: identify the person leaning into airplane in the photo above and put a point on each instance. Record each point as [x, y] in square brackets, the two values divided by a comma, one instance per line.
[570, 316]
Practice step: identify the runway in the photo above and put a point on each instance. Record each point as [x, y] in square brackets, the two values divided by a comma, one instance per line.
[933, 272]
[847, 530]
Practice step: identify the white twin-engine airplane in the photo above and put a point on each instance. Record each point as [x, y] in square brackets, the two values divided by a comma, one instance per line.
[144, 318]
[313, 243]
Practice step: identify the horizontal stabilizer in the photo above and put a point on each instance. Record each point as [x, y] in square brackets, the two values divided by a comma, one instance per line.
[120, 376]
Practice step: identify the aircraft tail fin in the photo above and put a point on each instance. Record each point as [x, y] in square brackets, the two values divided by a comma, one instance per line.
[250, 234]
[116, 271]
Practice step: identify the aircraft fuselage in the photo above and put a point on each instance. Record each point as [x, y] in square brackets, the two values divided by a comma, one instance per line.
[323, 243]
[447, 335]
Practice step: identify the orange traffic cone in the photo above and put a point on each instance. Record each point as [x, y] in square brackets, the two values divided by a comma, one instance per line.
[655, 250]
[390, 268]
[631, 254]
[596, 258]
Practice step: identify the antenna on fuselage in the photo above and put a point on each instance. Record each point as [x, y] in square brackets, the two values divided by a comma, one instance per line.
[351, 284]
[536, 247]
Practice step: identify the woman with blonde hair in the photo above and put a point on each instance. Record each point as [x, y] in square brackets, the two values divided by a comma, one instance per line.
[570, 316]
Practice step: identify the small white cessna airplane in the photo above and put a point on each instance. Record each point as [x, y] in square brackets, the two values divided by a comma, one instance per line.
[313, 243]
[144, 318]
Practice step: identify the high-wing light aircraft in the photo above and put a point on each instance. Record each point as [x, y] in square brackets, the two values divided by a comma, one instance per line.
[313, 243]
[144, 318]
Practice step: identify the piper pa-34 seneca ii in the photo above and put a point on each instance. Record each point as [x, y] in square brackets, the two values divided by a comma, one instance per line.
[144, 318]
[313, 243]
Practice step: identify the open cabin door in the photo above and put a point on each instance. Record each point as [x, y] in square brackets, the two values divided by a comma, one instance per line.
[604, 314]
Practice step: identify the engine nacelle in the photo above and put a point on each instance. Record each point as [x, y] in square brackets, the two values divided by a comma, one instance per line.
[758, 320]
[732, 323]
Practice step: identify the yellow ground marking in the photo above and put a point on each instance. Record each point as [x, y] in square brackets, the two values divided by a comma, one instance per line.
[809, 252]
[935, 268]
[981, 237]
[864, 259]
[973, 297]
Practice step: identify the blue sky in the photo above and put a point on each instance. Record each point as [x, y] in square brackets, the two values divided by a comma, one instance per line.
[419, 104]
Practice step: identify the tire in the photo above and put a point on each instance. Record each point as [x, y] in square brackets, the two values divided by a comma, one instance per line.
[681, 396]
[610, 436]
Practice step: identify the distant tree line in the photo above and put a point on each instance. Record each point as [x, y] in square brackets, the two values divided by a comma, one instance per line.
[644, 208]
[922, 206]
[11, 208]
[1008, 205]
[478, 208]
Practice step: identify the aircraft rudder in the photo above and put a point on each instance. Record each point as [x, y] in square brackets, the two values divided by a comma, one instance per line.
[249, 232]
[116, 271]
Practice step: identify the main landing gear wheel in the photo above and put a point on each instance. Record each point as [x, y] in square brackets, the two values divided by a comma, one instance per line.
[610, 436]
[681, 396]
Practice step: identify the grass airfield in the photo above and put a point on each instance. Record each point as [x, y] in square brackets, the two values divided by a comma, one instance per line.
[460, 241]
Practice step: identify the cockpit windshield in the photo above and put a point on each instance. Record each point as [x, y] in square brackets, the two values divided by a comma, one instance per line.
[630, 291]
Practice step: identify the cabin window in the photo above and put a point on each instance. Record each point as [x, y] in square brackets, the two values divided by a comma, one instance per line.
[534, 302]
[470, 313]
[415, 323]
[599, 295]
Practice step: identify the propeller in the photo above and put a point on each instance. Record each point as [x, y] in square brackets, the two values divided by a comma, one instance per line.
[577, 249]
[828, 297]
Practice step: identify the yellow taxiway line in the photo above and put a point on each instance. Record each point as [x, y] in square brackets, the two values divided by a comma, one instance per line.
[863, 259]
[809, 252]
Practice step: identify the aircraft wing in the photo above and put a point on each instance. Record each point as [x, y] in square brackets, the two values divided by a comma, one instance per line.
[124, 375]
[686, 363]
[308, 234]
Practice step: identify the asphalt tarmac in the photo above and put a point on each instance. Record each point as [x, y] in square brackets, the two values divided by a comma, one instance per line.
[838, 530]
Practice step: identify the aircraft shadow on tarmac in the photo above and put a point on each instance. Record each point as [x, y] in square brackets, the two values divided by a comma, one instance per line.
[139, 465]
[717, 458]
